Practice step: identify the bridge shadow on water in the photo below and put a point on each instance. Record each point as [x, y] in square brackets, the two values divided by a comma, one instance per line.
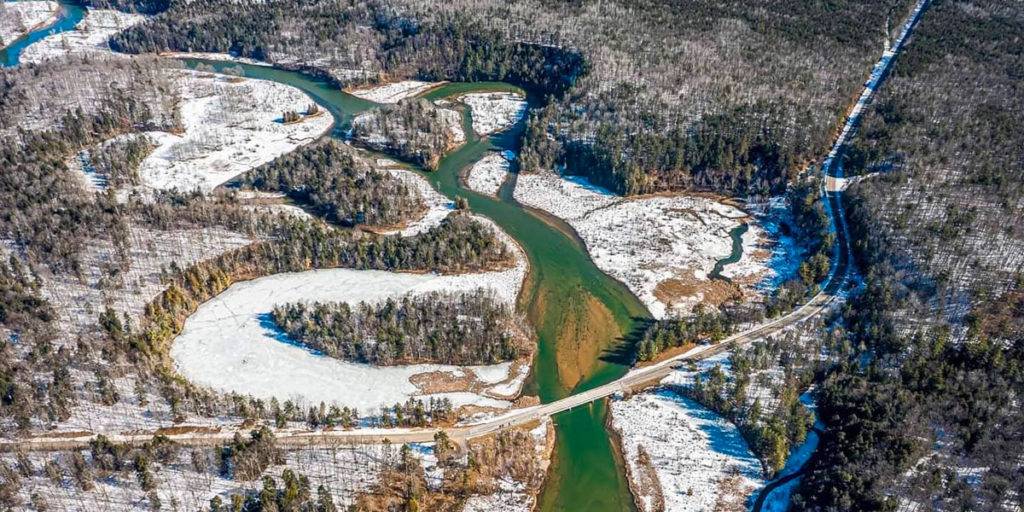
[623, 351]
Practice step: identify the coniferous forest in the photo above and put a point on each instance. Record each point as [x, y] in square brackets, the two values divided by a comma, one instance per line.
[447, 328]
[336, 185]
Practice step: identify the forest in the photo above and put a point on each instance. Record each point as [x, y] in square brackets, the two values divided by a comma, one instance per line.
[116, 162]
[772, 434]
[55, 229]
[726, 97]
[936, 222]
[438, 327]
[334, 184]
[704, 325]
[413, 130]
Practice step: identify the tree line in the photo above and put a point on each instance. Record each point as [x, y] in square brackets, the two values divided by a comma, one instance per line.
[440, 327]
[414, 130]
[332, 183]
[705, 324]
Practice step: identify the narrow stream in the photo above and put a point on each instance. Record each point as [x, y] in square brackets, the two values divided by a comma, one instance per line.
[737, 252]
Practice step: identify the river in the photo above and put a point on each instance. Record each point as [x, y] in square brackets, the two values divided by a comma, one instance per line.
[67, 17]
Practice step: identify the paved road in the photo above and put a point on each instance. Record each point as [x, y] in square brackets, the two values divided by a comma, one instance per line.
[635, 379]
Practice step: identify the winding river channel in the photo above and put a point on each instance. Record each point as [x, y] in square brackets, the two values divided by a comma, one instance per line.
[583, 317]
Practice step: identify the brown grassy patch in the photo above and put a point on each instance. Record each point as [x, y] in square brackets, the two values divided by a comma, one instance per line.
[586, 326]
[196, 429]
[443, 382]
[733, 493]
[688, 289]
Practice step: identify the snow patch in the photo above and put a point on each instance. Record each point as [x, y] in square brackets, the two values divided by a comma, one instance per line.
[494, 111]
[641, 241]
[438, 206]
[231, 125]
[89, 37]
[512, 387]
[488, 174]
[502, 501]
[393, 92]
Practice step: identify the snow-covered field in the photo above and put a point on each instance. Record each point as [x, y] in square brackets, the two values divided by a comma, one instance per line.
[494, 111]
[487, 174]
[776, 255]
[393, 92]
[700, 459]
[20, 18]
[661, 247]
[88, 38]
[231, 126]
[230, 344]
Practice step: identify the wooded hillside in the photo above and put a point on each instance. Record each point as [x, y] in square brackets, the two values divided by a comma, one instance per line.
[927, 416]
[732, 97]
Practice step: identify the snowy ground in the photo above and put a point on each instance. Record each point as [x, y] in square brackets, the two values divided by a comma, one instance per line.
[231, 126]
[393, 92]
[88, 38]
[512, 496]
[700, 459]
[661, 247]
[127, 286]
[20, 18]
[438, 206]
[230, 344]
[488, 174]
[776, 257]
[494, 111]
[385, 134]
[221, 57]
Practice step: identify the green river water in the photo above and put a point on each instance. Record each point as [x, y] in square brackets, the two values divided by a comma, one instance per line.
[585, 473]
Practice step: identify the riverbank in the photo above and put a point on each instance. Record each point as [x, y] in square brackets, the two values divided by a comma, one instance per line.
[88, 37]
[665, 248]
[229, 125]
